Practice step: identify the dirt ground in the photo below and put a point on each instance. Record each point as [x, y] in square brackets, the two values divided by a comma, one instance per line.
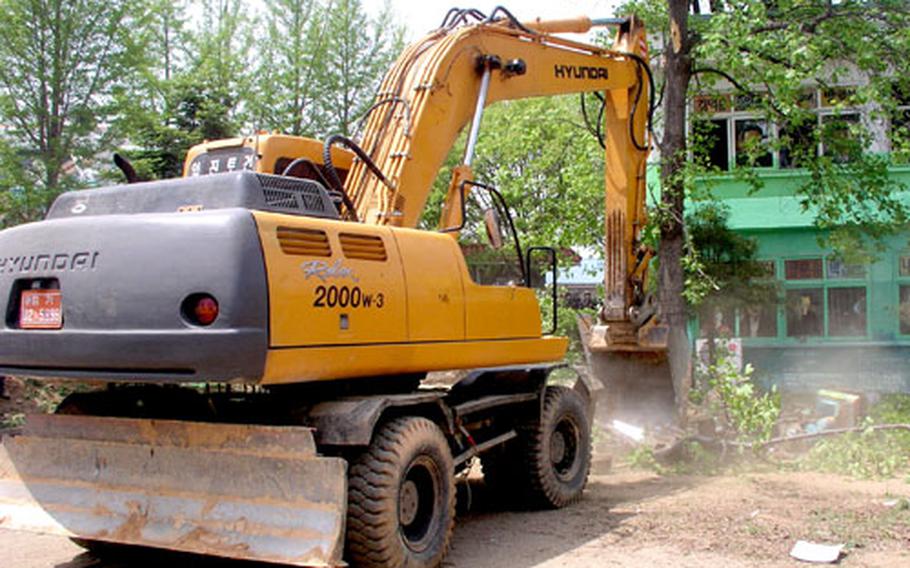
[626, 519]
[629, 519]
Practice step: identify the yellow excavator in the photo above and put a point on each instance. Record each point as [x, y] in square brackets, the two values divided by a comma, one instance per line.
[262, 326]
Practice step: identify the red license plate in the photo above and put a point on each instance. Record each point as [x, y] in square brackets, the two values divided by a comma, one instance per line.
[41, 309]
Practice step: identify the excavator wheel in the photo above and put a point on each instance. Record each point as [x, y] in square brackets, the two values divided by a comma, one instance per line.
[547, 465]
[401, 497]
[557, 450]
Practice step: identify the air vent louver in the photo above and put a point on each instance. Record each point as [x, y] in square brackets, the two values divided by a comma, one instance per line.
[362, 247]
[303, 242]
[296, 195]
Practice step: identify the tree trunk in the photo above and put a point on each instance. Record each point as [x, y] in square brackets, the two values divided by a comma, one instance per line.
[673, 159]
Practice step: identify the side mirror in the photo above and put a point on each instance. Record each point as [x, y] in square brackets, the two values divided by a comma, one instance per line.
[494, 230]
[530, 279]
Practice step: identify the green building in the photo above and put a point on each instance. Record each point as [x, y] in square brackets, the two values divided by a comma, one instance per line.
[837, 324]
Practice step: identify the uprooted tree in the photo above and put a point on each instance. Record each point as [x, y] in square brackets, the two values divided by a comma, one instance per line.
[772, 50]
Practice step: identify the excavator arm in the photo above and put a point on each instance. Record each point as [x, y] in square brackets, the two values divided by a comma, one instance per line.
[443, 82]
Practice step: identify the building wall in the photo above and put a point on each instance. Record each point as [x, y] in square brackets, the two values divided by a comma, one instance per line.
[837, 323]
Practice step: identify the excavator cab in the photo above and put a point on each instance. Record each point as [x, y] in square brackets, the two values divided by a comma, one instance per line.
[266, 153]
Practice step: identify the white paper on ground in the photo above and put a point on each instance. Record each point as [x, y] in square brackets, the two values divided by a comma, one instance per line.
[812, 552]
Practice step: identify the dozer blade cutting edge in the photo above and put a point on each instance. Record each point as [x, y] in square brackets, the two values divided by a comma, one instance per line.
[239, 491]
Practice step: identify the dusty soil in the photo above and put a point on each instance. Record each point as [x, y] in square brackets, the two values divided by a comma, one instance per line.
[640, 519]
[627, 519]
[24, 397]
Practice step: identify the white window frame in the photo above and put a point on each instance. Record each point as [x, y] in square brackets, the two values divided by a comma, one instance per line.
[731, 116]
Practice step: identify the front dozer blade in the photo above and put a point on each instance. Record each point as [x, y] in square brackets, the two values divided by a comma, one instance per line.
[239, 491]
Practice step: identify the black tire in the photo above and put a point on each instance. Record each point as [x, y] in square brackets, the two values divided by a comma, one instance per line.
[557, 451]
[401, 497]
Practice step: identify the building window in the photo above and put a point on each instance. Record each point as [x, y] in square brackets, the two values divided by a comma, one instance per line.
[805, 316]
[841, 137]
[837, 96]
[712, 104]
[904, 309]
[729, 131]
[752, 143]
[721, 319]
[797, 144]
[903, 274]
[803, 269]
[826, 297]
[847, 311]
[840, 270]
[758, 321]
[900, 123]
[710, 137]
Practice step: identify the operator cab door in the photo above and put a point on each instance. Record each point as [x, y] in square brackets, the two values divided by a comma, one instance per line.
[503, 309]
[498, 303]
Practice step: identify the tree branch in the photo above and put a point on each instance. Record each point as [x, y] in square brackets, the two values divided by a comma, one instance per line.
[832, 432]
[723, 74]
[672, 452]
[807, 26]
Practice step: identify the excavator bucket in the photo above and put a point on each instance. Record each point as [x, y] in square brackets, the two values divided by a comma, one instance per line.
[239, 491]
[635, 374]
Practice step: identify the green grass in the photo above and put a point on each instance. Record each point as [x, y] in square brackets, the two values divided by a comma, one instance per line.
[868, 454]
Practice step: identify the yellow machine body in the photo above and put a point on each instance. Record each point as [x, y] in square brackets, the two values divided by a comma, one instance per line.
[349, 300]
[353, 300]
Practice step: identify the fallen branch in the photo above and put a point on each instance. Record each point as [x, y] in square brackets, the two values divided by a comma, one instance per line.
[832, 432]
[673, 451]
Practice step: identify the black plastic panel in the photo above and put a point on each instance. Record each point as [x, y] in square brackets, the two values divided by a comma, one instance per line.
[203, 193]
[123, 279]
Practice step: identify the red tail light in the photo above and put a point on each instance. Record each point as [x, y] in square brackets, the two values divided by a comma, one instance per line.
[206, 310]
[200, 309]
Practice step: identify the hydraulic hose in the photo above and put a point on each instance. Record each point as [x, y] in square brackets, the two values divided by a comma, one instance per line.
[510, 17]
[651, 107]
[290, 170]
[333, 173]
